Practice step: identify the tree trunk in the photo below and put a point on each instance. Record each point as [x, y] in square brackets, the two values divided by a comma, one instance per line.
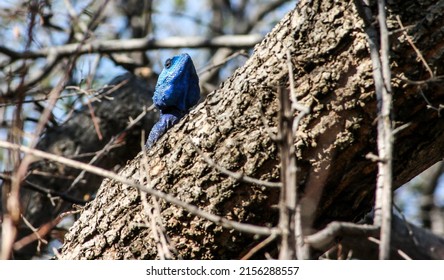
[333, 76]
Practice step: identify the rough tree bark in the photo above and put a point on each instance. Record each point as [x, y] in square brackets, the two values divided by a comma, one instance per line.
[333, 76]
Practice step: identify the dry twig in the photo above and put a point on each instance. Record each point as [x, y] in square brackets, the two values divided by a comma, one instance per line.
[235, 175]
[226, 223]
[382, 78]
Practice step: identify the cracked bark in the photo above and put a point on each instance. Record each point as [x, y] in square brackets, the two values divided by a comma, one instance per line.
[333, 75]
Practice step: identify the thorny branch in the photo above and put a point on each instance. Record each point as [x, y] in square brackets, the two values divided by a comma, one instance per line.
[290, 221]
[382, 78]
[385, 141]
[289, 200]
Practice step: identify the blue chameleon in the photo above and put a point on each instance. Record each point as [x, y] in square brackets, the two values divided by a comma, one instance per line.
[177, 91]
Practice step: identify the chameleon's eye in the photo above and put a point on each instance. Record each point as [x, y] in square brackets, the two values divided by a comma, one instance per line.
[168, 63]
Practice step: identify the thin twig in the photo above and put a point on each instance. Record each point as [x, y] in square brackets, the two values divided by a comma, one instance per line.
[407, 225]
[403, 254]
[271, 134]
[418, 52]
[221, 63]
[261, 12]
[325, 237]
[382, 79]
[42, 231]
[11, 192]
[52, 193]
[224, 222]
[399, 251]
[235, 175]
[35, 232]
[430, 105]
[164, 244]
[153, 223]
[37, 75]
[42, 98]
[302, 250]
[288, 200]
[259, 247]
[94, 120]
[98, 155]
[290, 220]
[385, 143]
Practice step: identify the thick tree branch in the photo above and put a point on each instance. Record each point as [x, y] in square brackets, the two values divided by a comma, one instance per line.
[407, 239]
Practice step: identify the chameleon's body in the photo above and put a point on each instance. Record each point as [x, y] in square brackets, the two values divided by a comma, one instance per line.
[177, 90]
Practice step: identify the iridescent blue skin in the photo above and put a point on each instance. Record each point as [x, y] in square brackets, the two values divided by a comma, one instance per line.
[177, 91]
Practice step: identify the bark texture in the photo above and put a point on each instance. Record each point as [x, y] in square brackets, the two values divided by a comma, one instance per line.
[333, 76]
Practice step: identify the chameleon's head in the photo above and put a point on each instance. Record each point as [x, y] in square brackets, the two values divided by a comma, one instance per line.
[178, 84]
